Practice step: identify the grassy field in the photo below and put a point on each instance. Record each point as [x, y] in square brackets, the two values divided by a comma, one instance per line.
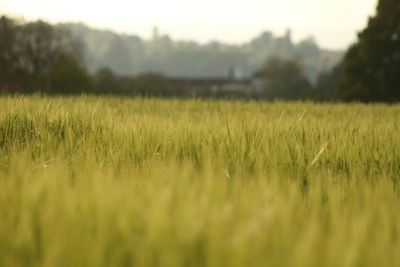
[91, 181]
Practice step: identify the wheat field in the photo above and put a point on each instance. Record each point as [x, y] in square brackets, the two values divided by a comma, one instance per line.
[96, 181]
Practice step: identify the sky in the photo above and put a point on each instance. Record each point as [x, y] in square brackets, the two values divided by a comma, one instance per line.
[333, 23]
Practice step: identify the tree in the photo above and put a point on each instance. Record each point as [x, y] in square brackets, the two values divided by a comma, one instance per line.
[9, 67]
[328, 83]
[106, 82]
[69, 76]
[118, 57]
[37, 56]
[151, 84]
[284, 79]
[42, 47]
[371, 67]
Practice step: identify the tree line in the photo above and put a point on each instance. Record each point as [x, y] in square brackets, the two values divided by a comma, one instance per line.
[132, 55]
[37, 57]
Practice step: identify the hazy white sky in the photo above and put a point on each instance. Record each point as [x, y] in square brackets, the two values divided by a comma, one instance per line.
[334, 23]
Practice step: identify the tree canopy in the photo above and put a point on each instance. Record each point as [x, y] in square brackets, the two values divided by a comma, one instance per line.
[33, 54]
[284, 79]
[371, 67]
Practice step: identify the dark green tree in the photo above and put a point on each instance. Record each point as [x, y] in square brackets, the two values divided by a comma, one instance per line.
[328, 83]
[41, 47]
[10, 69]
[284, 79]
[69, 76]
[37, 56]
[105, 82]
[371, 67]
[151, 84]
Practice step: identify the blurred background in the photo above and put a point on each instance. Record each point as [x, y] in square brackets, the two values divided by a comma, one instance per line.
[291, 49]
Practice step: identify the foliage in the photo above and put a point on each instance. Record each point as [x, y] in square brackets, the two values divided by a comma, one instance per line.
[105, 82]
[32, 52]
[68, 76]
[151, 84]
[118, 57]
[39, 57]
[372, 65]
[328, 83]
[95, 181]
[147, 84]
[284, 79]
[190, 59]
[9, 63]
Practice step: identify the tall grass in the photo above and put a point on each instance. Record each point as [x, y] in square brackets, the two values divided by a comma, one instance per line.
[92, 181]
